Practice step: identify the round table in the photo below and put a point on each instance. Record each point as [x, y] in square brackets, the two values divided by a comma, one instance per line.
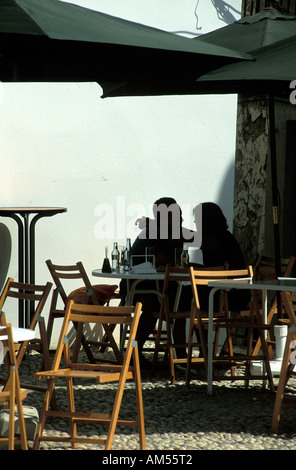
[26, 245]
[19, 334]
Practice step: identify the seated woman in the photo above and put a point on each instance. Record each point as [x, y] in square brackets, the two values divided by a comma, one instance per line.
[218, 247]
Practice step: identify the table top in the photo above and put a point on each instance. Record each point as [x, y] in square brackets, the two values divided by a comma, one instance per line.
[28, 210]
[280, 284]
[19, 334]
[128, 275]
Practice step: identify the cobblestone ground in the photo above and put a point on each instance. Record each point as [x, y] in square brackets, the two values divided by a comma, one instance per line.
[176, 417]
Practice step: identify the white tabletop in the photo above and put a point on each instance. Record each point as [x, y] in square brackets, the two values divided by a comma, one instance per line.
[19, 334]
[281, 284]
[128, 275]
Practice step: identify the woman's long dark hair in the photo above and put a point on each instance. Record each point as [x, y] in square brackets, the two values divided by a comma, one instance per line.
[213, 219]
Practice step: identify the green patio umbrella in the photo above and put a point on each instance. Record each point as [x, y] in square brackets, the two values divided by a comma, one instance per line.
[269, 37]
[246, 35]
[252, 32]
[49, 40]
[270, 74]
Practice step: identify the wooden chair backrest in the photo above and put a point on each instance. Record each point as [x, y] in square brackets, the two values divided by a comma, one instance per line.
[71, 272]
[264, 268]
[289, 304]
[82, 314]
[175, 274]
[30, 292]
[202, 277]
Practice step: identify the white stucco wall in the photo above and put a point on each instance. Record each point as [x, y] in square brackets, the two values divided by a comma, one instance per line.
[62, 145]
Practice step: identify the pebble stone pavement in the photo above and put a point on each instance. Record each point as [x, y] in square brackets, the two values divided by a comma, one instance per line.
[177, 418]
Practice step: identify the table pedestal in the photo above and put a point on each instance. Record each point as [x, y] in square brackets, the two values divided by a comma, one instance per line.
[26, 246]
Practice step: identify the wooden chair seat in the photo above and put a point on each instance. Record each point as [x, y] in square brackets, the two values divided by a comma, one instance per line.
[5, 396]
[99, 376]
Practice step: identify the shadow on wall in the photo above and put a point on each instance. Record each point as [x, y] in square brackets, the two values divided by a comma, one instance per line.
[224, 199]
[5, 243]
[225, 195]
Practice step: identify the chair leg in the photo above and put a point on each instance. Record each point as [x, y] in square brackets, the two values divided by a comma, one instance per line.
[189, 353]
[263, 343]
[139, 398]
[157, 341]
[22, 426]
[171, 352]
[272, 312]
[80, 339]
[71, 407]
[267, 363]
[116, 408]
[230, 350]
[46, 362]
[51, 317]
[15, 400]
[249, 353]
[123, 334]
[282, 384]
[45, 408]
[105, 338]
[12, 385]
[254, 305]
[113, 345]
[195, 330]
[78, 342]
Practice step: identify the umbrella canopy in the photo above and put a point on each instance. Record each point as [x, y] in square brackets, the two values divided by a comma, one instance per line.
[271, 72]
[252, 32]
[48, 40]
[250, 35]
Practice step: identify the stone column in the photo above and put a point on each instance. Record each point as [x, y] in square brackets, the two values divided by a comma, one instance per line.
[251, 180]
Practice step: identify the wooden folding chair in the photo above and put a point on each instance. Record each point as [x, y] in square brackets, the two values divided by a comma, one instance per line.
[37, 295]
[199, 318]
[288, 363]
[102, 373]
[13, 396]
[86, 294]
[168, 315]
[222, 319]
[264, 270]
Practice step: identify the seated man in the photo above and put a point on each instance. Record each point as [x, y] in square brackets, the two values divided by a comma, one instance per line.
[164, 233]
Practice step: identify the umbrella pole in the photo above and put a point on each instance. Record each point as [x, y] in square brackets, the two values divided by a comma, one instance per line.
[274, 188]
